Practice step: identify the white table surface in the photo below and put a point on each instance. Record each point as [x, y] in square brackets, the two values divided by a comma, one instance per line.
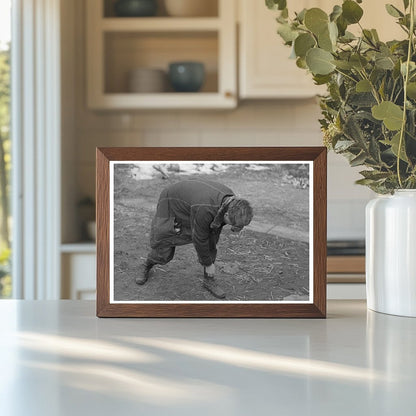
[57, 358]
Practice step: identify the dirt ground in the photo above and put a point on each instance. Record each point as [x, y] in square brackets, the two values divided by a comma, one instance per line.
[250, 266]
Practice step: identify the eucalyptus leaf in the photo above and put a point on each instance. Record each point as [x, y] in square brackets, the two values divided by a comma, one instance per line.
[388, 112]
[281, 19]
[405, 21]
[336, 12]
[358, 160]
[303, 43]
[354, 132]
[411, 90]
[394, 144]
[393, 11]
[321, 79]
[347, 37]
[276, 4]
[384, 62]
[292, 52]
[287, 33]
[375, 35]
[369, 36]
[365, 182]
[319, 61]
[374, 174]
[363, 86]
[351, 11]
[412, 67]
[301, 15]
[374, 150]
[333, 32]
[343, 145]
[382, 89]
[358, 61]
[342, 25]
[316, 20]
[345, 65]
[301, 63]
[325, 42]
[361, 100]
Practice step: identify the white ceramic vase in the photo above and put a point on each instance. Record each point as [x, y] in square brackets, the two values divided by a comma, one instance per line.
[391, 253]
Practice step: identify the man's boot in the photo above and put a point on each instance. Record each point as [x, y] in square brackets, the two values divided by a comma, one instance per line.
[144, 272]
[212, 286]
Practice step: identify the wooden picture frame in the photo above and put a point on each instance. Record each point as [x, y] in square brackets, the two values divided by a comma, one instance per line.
[314, 158]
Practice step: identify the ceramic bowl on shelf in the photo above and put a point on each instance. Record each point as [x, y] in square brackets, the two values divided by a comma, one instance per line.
[135, 8]
[186, 76]
[191, 8]
[147, 80]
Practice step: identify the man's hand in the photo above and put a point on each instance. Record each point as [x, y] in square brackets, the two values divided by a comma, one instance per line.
[210, 270]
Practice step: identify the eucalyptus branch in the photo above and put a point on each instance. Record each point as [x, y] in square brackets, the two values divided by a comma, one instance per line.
[406, 79]
[346, 75]
[392, 91]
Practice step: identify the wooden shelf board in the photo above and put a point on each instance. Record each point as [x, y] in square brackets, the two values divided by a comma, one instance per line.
[79, 247]
[163, 100]
[160, 24]
[346, 264]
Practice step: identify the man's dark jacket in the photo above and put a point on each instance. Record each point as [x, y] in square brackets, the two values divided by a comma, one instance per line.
[184, 215]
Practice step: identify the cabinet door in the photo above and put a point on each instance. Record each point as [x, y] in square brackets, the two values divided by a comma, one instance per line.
[78, 276]
[265, 68]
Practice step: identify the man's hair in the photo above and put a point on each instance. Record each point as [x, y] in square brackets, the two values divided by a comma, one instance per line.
[240, 212]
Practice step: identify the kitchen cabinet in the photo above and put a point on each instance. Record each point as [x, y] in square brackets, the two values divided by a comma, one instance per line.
[78, 263]
[265, 69]
[118, 45]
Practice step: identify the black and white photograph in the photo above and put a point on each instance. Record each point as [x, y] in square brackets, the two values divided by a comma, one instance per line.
[199, 232]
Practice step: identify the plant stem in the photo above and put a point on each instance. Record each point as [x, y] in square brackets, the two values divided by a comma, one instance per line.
[346, 75]
[373, 88]
[406, 79]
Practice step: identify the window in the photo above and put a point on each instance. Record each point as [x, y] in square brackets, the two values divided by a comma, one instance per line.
[5, 145]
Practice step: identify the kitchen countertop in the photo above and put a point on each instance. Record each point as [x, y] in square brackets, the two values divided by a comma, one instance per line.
[57, 358]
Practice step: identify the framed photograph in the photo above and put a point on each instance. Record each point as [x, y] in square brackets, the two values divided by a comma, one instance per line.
[211, 232]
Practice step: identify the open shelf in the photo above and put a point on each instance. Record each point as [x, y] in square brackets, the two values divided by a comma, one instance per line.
[116, 46]
[127, 51]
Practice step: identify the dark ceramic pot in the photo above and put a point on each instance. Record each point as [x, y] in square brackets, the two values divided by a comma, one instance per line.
[135, 8]
[186, 76]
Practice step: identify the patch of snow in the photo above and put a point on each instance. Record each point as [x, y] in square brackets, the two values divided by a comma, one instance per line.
[147, 171]
[257, 167]
[143, 172]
